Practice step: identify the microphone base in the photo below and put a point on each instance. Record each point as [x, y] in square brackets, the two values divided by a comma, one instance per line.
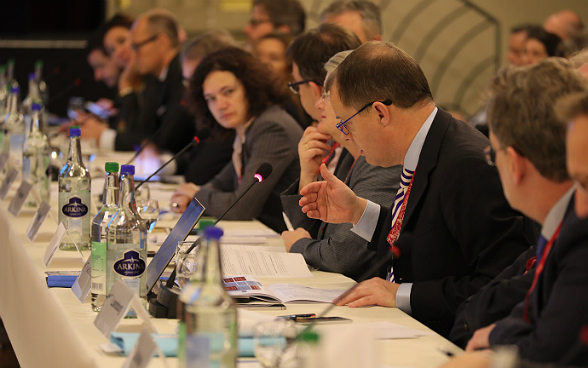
[164, 302]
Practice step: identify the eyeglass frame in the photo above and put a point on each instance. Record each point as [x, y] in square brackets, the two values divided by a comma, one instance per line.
[137, 46]
[490, 154]
[256, 22]
[294, 86]
[342, 124]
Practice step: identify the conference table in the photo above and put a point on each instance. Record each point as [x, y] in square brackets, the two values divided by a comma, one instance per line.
[50, 327]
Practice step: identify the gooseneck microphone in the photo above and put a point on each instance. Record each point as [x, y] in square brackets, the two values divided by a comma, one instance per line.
[261, 174]
[202, 135]
[70, 87]
[145, 143]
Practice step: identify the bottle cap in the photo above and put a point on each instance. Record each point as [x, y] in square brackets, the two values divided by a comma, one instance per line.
[35, 106]
[39, 63]
[10, 62]
[213, 232]
[15, 89]
[76, 126]
[75, 131]
[2, 68]
[309, 336]
[32, 75]
[111, 167]
[127, 169]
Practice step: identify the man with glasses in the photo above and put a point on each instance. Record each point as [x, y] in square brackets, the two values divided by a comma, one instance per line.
[267, 16]
[170, 127]
[450, 228]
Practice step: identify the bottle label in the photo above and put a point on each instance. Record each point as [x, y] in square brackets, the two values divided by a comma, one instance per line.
[98, 268]
[75, 208]
[131, 265]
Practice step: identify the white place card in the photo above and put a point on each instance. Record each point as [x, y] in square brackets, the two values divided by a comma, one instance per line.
[7, 183]
[142, 352]
[19, 198]
[81, 287]
[54, 244]
[3, 159]
[116, 306]
[38, 220]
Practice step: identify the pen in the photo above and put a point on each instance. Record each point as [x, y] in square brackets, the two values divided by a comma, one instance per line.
[296, 316]
[287, 221]
[446, 352]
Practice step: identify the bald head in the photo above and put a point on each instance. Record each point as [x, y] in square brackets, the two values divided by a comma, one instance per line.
[563, 23]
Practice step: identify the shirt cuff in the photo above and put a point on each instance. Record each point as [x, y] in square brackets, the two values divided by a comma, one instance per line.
[107, 139]
[368, 222]
[403, 298]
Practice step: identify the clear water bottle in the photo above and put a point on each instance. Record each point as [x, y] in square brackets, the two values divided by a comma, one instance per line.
[43, 88]
[74, 195]
[36, 159]
[13, 129]
[99, 233]
[208, 331]
[32, 97]
[11, 81]
[127, 241]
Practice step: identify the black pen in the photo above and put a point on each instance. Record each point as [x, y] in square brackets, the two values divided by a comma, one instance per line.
[294, 317]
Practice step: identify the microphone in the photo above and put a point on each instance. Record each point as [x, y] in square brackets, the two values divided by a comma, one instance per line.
[202, 135]
[261, 174]
[142, 147]
[76, 83]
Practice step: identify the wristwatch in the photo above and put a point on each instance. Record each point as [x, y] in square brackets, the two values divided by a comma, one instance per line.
[125, 91]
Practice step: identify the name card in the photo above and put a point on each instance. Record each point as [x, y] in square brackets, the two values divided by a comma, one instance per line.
[54, 244]
[7, 183]
[19, 198]
[81, 287]
[3, 159]
[142, 352]
[116, 306]
[38, 220]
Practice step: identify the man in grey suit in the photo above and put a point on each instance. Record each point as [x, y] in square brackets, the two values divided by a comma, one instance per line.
[330, 247]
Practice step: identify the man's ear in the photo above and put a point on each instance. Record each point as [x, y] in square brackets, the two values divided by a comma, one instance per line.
[517, 164]
[383, 112]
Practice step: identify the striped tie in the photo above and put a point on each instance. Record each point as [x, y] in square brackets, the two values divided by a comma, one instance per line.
[398, 212]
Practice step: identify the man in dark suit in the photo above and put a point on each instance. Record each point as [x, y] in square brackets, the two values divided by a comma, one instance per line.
[546, 324]
[455, 232]
[162, 117]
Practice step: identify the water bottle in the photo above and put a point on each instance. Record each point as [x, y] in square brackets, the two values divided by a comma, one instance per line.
[36, 167]
[11, 81]
[208, 331]
[99, 233]
[13, 129]
[74, 196]
[127, 241]
[3, 92]
[32, 97]
[43, 88]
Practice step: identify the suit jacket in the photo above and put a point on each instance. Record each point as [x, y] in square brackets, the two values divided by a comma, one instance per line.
[494, 301]
[333, 247]
[162, 112]
[558, 304]
[273, 138]
[458, 232]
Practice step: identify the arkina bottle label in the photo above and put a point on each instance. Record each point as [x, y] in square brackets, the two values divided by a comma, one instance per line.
[131, 265]
[75, 208]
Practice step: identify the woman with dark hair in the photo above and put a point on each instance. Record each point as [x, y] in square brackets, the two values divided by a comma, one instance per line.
[231, 90]
[540, 45]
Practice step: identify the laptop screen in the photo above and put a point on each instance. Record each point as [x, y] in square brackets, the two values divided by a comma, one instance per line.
[167, 250]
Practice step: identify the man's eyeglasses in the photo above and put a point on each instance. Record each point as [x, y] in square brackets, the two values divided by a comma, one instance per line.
[256, 22]
[137, 46]
[342, 126]
[490, 154]
[295, 86]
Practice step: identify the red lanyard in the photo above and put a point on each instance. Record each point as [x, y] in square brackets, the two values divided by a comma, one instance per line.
[395, 231]
[539, 270]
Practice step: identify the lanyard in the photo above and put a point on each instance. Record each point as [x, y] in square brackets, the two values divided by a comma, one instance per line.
[395, 231]
[538, 272]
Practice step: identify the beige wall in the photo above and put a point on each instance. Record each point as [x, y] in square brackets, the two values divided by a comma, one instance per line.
[457, 74]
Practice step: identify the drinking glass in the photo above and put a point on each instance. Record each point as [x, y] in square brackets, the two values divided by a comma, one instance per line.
[273, 343]
[186, 262]
[149, 212]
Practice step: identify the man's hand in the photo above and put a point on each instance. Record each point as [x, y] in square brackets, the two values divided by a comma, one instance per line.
[375, 291]
[291, 237]
[480, 339]
[183, 196]
[130, 77]
[311, 150]
[92, 126]
[331, 200]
